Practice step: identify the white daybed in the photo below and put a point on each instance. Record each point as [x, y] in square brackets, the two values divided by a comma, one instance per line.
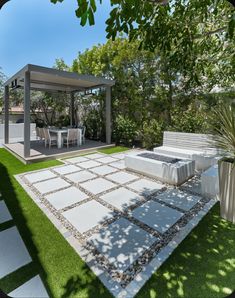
[197, 147]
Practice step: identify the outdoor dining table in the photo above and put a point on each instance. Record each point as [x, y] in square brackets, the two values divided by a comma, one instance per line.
[59, 133]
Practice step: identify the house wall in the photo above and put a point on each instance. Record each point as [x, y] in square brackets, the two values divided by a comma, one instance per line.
[16, 130]
[13, 118]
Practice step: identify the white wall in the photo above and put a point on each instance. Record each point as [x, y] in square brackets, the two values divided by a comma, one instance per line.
[16, 131]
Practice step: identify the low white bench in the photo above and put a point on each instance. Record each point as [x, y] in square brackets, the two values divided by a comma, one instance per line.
[193, 146]
[210, 182]
[172, 173]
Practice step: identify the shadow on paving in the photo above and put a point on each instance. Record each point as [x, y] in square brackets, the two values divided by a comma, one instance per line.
[62, 260]
[202, 266]
[21, 275]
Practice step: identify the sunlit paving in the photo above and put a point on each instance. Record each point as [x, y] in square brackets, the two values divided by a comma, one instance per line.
[117, 149]
[124, 224]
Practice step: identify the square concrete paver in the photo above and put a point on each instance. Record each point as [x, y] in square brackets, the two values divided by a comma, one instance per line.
[80, 176]
[106, 159]
[157, 216]
[120, 164]
[66, 169]
[122, 242]
[122, 177]
[4, 213]
[193, 184]
[39, 176]
[89, 164]
[13, 253]
[118, 155]
[77, 159]
[121, 198]
[51, 185]
[180, 199]
[103, 170]
[145, 187]
[87, 216]
[98, 185]
[33, 288]
[66, 197]
[95, 155]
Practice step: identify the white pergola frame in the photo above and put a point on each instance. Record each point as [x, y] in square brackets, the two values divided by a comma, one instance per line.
[34, 77]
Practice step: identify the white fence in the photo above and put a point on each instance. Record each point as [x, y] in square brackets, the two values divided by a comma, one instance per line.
[16, 131]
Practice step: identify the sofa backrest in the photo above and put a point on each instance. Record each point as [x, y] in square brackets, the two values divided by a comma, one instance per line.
[191, 141]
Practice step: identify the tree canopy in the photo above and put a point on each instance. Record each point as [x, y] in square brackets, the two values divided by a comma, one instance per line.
[164, 22]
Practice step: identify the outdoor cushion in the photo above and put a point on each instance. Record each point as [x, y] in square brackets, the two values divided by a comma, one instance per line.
[183, 153]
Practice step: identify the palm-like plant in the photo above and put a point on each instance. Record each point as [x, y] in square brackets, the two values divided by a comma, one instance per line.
[224, 133]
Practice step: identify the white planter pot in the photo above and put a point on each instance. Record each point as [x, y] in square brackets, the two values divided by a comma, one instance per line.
[227, 190]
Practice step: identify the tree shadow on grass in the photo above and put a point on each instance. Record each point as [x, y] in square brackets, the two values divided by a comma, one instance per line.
[202, 266]
[12, 200]
[86, 284]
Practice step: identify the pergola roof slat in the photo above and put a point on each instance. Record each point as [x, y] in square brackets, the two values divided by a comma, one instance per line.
[44, 76]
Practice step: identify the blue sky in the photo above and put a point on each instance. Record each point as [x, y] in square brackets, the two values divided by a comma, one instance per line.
[38, 32]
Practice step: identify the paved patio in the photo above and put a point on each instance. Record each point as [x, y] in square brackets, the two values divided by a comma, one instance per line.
[38, 152]
[123, 225]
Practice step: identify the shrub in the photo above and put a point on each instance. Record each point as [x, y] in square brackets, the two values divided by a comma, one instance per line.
[94, 125]
[192, 120]
[152, 133]
[124, 130]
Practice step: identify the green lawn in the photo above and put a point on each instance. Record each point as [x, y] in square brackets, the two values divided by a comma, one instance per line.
[202, 266]
[113, 150]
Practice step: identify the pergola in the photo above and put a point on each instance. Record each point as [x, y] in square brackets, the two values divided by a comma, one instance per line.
[34, 77]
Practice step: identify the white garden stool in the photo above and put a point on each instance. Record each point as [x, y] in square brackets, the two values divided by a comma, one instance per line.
[210, 182]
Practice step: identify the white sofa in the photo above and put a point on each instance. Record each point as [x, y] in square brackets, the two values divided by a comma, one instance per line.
[197, 147]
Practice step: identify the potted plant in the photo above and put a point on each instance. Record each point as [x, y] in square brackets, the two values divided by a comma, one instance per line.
[224, 138]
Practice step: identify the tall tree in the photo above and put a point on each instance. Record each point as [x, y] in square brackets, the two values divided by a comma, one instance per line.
[161, 21]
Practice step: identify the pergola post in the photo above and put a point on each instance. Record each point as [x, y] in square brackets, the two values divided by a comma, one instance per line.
[6, 114]
[72, 109]
[108, 114]
[27, 114]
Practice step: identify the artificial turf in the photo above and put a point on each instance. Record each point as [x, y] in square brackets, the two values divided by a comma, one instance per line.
[202, 266]
[113, 150]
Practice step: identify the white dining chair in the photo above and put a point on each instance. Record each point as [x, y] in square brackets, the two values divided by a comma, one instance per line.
[50, 139]
[71, 137]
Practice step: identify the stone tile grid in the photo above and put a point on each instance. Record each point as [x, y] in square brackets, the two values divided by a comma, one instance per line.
[150, 253]
[133, 285]
[141, 277]
[125, 278]
[84, 236]
[68, 225]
